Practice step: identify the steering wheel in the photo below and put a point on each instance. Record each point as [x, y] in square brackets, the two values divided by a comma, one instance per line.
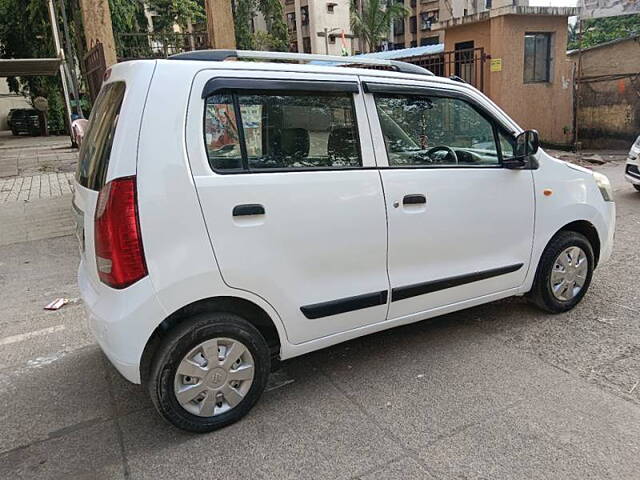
[449, 150]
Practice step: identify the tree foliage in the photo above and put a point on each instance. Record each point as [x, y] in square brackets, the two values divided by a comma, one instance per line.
[373, 23]
[176, 12]
[25, 32]
[276, 37]
[601, 30]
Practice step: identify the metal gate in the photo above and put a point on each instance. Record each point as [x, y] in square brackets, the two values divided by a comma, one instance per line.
[94, 67]
[467, 64]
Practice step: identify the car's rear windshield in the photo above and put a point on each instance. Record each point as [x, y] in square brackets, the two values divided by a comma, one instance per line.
[97, 143]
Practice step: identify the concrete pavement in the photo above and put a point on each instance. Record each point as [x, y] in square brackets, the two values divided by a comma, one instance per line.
[36, 186]
[497, 391]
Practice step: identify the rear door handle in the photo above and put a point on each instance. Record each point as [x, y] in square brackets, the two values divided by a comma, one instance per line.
[416, 199]
[248, 209]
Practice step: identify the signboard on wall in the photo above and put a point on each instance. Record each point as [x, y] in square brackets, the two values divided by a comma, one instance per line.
[607, 8]
[496, 65]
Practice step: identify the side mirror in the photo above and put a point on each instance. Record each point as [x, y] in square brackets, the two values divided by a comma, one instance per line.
[527, 145]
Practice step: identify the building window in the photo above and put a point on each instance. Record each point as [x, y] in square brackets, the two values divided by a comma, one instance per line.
[427, 19]
[414, 43]
[304, 15]
[291, 21]
[413, 28]
[306, 45]
[332, 39]
[331, 7]
[413, 3]
[398, 26]
[487, 4]
[537, 57]
[293, 47]
[429, 41]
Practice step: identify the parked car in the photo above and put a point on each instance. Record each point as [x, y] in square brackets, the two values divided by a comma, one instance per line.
[23, 121]
[233, 214]
[632, 172]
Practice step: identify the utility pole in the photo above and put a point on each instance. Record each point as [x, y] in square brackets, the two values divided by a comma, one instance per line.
[326, 38]
[60, 55]
[220, 26]
[71, 64]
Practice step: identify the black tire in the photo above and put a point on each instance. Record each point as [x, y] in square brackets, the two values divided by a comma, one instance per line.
[637, 187]
[186, 336]
[541, 294]
[14, 132]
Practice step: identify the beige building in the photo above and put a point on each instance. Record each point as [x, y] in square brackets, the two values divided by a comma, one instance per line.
[318, 26]
[417, 29]
[517, 56]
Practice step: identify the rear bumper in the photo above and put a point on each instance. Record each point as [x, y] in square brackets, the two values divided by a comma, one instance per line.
[122, 321]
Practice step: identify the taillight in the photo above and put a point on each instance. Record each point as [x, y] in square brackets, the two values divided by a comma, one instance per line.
[119, 253]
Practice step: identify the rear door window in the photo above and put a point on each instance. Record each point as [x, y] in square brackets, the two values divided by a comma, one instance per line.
[96, 145]
[272, 130]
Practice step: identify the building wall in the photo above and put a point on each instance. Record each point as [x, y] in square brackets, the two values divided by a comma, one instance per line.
[546, 107]
[407, 38]
[609, 107]
[319, 18]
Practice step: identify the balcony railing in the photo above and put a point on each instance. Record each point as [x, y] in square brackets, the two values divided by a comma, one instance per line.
[131, 46]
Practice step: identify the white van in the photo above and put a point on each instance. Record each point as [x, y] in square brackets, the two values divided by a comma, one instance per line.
[232, 214]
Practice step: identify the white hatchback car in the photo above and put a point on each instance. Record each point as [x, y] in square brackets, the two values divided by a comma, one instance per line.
[231, 214]
[632, 168]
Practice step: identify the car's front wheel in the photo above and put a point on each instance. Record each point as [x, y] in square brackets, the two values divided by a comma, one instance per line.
[564, 273]
[209, 372]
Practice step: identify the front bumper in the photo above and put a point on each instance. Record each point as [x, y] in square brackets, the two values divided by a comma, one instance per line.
[122, 321]
[632, 173]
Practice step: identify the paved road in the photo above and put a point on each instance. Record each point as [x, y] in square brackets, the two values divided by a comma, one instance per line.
[498, 391]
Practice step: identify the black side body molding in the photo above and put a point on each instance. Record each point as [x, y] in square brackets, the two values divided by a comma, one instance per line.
[402, 293]
[343, 305]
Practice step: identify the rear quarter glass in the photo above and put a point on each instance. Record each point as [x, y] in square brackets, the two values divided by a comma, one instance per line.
[96, 145]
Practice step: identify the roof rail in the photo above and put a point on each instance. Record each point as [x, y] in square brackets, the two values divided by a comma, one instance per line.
[221, 55]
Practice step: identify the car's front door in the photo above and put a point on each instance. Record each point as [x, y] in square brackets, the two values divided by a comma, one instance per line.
[460, 225]
[293, 213]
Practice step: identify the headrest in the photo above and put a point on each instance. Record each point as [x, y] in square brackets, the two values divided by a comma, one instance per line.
[342, 146]
[293, 142]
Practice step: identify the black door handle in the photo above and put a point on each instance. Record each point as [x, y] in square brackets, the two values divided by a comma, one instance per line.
[414, 199]
[248, 209]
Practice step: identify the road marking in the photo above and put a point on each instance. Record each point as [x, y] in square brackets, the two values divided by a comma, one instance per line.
[26, 336]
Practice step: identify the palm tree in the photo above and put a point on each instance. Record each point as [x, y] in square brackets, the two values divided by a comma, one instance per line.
[372, 20]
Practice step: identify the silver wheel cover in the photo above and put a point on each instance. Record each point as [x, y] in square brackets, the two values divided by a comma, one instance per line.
[569, 273]
[214, 377]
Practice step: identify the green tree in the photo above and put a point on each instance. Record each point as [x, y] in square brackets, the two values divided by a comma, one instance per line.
[176, 12]
[276, 37]
[373, 22]
[25, 32]
[602, 30]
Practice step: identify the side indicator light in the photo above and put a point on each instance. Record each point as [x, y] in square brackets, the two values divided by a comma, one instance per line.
[547, 192]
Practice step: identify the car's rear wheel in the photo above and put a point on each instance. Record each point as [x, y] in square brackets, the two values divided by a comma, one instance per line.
[564, 273]
[209, 372]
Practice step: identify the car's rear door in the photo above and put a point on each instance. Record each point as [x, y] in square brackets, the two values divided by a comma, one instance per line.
[293, 208]
[460, 227]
